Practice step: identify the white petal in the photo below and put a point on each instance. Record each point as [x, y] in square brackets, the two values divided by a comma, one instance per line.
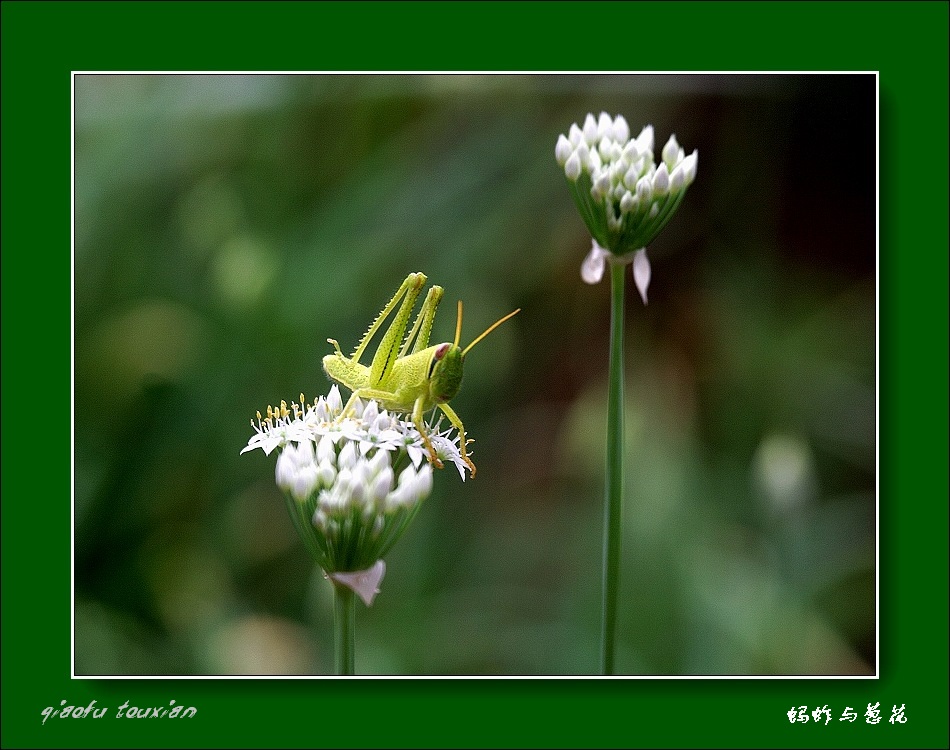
[363, 582]
[592, 269]
[605, 125]
[641, 272]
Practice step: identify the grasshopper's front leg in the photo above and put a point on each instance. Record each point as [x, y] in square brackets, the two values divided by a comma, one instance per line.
[418, 421]
[457, 423]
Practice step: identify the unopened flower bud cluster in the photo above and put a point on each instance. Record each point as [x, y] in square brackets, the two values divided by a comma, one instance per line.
[623, 195]
[352, 484]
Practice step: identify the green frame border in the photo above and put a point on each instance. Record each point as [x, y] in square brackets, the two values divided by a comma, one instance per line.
[907, 42]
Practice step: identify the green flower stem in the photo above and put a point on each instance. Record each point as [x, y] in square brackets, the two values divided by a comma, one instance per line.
[613, 497]
[344, 628]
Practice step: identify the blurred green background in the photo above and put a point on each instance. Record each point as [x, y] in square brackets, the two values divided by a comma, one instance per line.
[225, 226]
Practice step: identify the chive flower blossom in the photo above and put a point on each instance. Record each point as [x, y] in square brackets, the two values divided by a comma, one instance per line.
[352, 484]
[623, 195]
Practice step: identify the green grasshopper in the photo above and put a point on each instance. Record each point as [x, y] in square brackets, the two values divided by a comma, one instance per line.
[403, 380]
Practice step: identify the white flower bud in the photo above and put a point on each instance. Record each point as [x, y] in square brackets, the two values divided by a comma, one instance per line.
[605, 125]
[378, 462]
[562, 150]
[631, 177]
[304, 483]
[641, 272]
[689, 165]
[286, 468]
[677, 179]
[645, 139]
[592, 269]
[605, 147]
[644, 190]
[347, 457]
[590, 130]
[334, 402]
[357, 494]
[326, 451]
[304, 453]
[406, 477]
[423, 482]
[627, 202]
[382, 485]
[670, 151]
[602, 184]
[594, 164]
[575, 135]
[572, 167]
[661, 180]
[395, 500]
[621, 130]
[344, 479]
[326, 474]
[370, 412]
[631, 152]
[361, 473]
[320, 519]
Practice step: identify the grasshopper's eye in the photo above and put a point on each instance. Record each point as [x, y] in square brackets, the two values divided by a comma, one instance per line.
[440, 351]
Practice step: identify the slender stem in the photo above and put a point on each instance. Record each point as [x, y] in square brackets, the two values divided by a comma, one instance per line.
[344, 628]
[613, 496]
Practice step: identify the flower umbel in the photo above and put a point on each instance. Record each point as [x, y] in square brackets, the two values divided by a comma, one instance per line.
[352, 484]
[623, 195]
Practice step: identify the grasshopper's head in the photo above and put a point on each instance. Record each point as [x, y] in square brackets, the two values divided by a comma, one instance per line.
[445, 370]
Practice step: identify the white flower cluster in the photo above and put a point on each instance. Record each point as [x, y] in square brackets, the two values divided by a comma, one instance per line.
[366, 426]
[353, 483]
[624, 197]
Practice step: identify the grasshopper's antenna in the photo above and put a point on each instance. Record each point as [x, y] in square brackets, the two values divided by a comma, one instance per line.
[488, 330]
[458, 325]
